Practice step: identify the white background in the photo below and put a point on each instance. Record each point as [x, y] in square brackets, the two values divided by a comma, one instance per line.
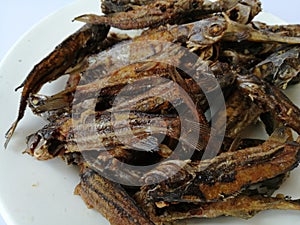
[17, 17]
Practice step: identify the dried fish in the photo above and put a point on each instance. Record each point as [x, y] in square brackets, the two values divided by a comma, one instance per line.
[226, 175]
[243, 11]
[107, 197]
[67, 54]
[157, 13]
[291, 30]
[62, 102]
[102, 131]
[237, 32]
[51, 107]
[272, 99]
[114, 129]
[241, 112]
[150, 101]
[280, 68]
[241, 206]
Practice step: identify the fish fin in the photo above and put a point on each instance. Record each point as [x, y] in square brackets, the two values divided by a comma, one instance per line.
[148, 144]
[193, 134]
[281, 134]
[235, 144]
[20, 86]
[10, 132]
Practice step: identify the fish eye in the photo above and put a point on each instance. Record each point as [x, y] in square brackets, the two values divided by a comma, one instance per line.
[215, 30]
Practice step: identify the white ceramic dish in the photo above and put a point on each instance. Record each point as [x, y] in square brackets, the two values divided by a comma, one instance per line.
[40, 193]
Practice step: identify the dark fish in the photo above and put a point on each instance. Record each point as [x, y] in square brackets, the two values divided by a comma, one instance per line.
[280, 68]
[157, 13]
[224, 176]
[270, 98]
[110, 199]
[71, 51]
[242, 206]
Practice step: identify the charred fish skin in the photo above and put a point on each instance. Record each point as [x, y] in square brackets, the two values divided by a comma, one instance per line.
[108, 131]
[62, 102]
[242, 206]
[110, 199]
[157, 46]
[246, 9]
[225, 175]
[157, 13]
[59, 137]
[67, 54]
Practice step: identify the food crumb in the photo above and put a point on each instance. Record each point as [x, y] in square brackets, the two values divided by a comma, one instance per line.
[35, 185]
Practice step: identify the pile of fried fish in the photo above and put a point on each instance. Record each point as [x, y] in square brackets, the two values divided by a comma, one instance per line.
[144, 102]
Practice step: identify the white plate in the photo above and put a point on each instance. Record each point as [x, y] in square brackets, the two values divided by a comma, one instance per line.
[41, 193]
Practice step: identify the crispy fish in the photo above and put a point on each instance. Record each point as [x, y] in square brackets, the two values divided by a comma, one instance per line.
[100, 132]
[242, 206]
[157, 13]
[110, 199]
[271, 99]
[67, 54]
[225, 175]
